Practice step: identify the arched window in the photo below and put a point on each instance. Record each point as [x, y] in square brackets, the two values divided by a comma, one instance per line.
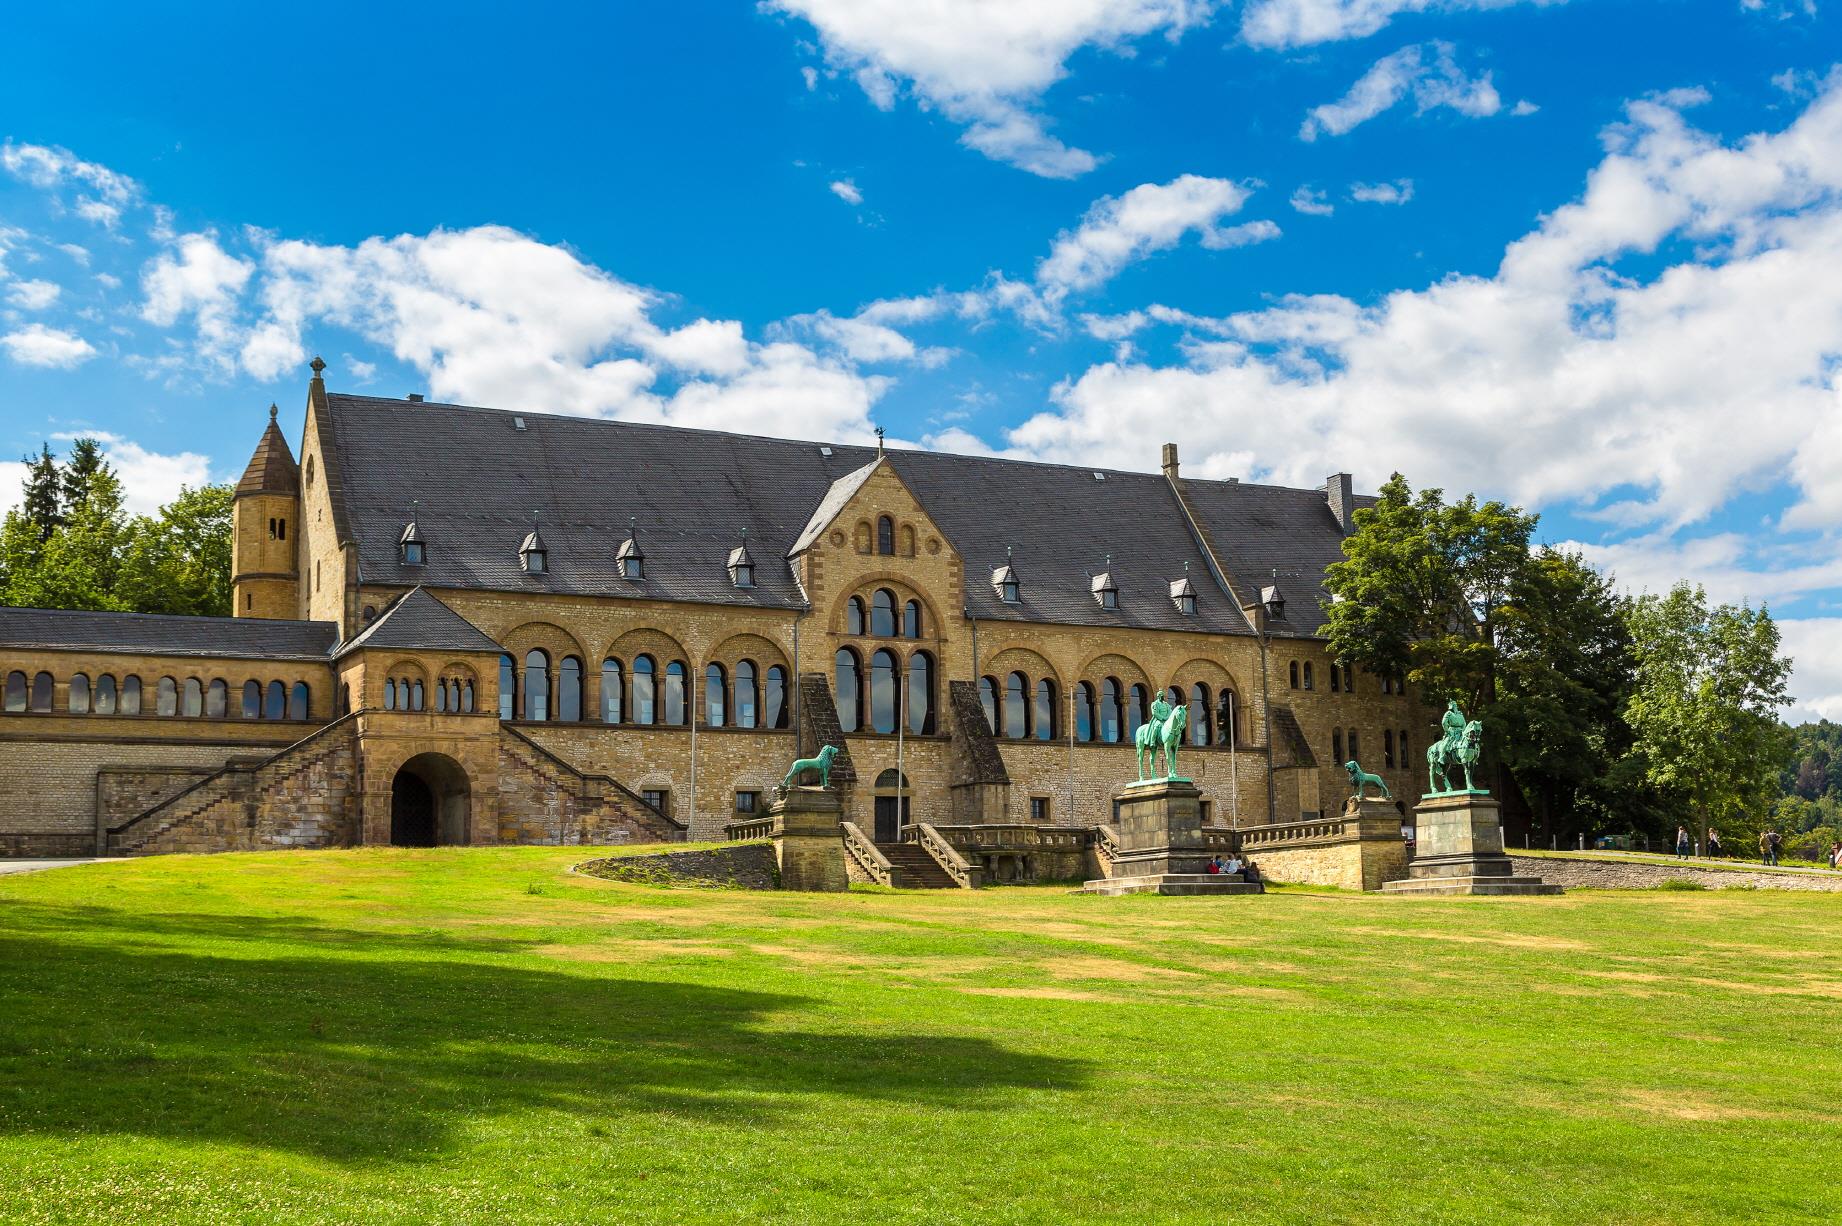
[467, 697]
[79, 702]
[853, 615]
[774, 712]
[390, 693]
[1136, 703]
[1401, 745]
[44, 687]
[1016, 706]
[847, 682]
[1112, 711]
[716, 690]
[1084, 711]
[569, 690]
[1044, 721]
[275, 701]
[920, 693]
[911, 620]
[1202, 716]
[131, 696]
[252, 700]
[15, 691]
[536, 685]
[988, 698]
[1307, 674]
[416, 697]
[1355, 746]
[1227, 718]
[610, 690]
[676, 677]
[345, 699]
[105, 694]
[882, 691]
[882, 613]
[908, 541]
[194, 704]
[441, 696]
[885, 535]
[166, 697]
[1349, 678]
[1294, 674]
[644, 707]
[1388, 747]
[1336, 748]
[217, 699]
[746, 712]
[1335, 679]
[297, 701]
[508, 686]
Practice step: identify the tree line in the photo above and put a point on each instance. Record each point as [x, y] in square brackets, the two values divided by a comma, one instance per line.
[1609, 713]
[71, 544]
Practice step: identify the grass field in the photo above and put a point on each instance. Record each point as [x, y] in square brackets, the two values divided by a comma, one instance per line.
[481, 1036]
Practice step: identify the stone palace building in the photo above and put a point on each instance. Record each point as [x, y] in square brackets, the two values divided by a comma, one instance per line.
[458, 625]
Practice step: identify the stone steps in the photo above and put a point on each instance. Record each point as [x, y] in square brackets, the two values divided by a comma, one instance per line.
[1493, 885]
[914, 868]
[1181, 884]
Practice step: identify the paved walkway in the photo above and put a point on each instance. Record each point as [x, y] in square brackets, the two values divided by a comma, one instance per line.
[32, 866]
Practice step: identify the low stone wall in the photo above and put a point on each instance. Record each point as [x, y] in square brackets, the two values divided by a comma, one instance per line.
[1584, 874]
[1351, 865]
[747, 866]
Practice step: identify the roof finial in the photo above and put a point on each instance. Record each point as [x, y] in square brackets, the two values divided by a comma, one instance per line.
[318, 364]
[272, 412]
[879, 441]
[1007, 553]
[1109, 561]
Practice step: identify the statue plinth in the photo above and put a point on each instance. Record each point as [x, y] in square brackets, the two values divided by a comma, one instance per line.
[808, 842]
[1458, 849]
[1158, 847]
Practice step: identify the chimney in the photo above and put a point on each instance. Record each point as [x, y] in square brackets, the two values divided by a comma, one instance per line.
[1342, 501]
[415, 397]
[1170, 461]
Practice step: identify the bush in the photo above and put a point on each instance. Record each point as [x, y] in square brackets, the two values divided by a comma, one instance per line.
[1681, 883]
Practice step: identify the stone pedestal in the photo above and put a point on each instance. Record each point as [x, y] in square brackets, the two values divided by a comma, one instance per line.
[1158, 846]
[808, 843]
[1458, 849]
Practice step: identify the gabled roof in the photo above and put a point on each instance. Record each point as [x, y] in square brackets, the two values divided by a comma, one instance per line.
[160, 634]
[842, 491]
[272, 469]
[418, 621]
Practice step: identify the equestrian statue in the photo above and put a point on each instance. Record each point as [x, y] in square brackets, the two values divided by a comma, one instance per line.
[1164, 730]
[822, 764]
[1460, 745]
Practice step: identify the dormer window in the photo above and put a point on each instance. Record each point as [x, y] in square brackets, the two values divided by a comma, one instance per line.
[1004, 579]
[1105, 591]
[1183, 595]
[411, 546]
[534, 554]
[741, 566]
[630, 561]
[1274, 600]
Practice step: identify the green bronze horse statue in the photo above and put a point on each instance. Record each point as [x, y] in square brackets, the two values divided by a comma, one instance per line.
[1442, 757]
[1167, 735]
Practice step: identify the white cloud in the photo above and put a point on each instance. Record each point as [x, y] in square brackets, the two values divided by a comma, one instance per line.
[811, 76]
[32, 295]
[1398, 192]
[986, 65]
[37, 345]
[1427, 72]
[1312, 202]
[846, 191]
[1566, 375]
[12, 484]
[1117, 231]
[197, 277]
[1523, 107]
[149, 479]
[1815, 647]
[1300, 23]
[50, 167]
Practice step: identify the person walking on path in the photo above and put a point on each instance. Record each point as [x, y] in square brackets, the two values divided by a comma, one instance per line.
[1682, 843]
[1768, 847]
[1713, 843]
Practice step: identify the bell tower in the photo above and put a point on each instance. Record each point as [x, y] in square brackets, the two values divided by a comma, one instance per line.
[265, 523]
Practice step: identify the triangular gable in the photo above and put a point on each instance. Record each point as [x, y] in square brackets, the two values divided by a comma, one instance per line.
[836, 498]
[420, 622]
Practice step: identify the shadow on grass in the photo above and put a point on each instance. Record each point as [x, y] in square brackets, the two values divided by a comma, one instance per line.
[384, 1051]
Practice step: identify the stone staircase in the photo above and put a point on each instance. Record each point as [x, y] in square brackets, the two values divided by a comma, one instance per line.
[914, 868]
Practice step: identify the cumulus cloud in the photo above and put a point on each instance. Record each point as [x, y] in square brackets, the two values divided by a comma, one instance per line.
[1575, 372]
[37, 345]
[1428, 73]
[32, 295]
[102, 193]
[1398, 192]
[150, 479]
[985, 66]
[196, 277]
[1301, 23]
[1119, 230]
[1312, 203]
[846, 191]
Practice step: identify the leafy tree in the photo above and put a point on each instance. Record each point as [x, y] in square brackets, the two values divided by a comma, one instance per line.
[1703, 710]
[80, 473]
[180, 562]
[78, 565]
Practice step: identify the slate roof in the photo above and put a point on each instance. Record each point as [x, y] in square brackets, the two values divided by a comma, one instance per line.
[271, 469]
[246, 638]
[479, 481]
[419, 621]
[1262, 528]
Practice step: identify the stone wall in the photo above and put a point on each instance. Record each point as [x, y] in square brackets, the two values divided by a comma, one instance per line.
[746, 866]
[543, 799]
[1588, 874]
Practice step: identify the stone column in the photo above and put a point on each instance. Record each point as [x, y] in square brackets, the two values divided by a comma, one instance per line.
[808, 843]
[1458, 849]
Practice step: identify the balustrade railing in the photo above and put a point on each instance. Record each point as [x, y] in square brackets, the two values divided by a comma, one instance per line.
[753, 828]
[862, 849]
[967, 876]
[1322, 830]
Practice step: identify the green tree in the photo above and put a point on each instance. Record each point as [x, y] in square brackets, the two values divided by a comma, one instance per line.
[179, 561]
[1704, 707]
[80, 473]
[78, 566]
[42, 506]
[1421, 589]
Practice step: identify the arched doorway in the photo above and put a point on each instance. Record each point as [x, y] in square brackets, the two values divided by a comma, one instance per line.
[429, 802]
[891, 794]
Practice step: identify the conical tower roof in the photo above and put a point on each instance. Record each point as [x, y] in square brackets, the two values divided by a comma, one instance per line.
[272, 469]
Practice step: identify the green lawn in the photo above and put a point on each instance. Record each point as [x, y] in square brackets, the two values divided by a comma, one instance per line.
[480, 1036]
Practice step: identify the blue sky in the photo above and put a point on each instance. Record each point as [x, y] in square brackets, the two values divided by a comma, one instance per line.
[1582, 254]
